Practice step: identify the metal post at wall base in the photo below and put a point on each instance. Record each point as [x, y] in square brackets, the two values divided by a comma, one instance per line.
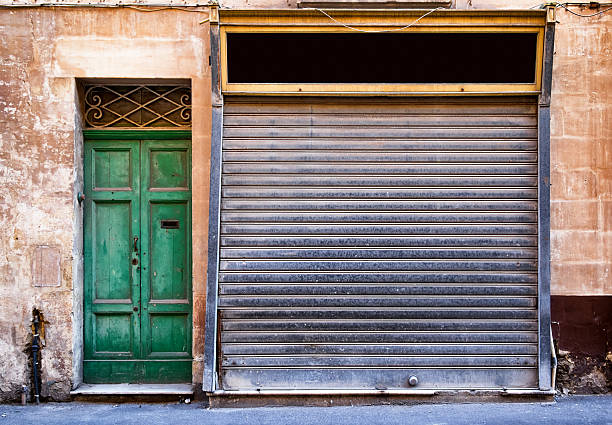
[24, 394]
[554, 362]
[35, 352]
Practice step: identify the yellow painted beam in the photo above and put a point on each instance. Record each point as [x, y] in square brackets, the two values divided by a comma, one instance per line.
[441, 21]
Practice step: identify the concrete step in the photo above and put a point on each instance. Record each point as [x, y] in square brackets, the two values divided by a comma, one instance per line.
[133, 392]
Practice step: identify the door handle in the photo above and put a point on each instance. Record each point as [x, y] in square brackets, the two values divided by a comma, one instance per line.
[136, 244]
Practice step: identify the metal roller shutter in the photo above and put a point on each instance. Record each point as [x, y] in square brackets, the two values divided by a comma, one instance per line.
[364, 241]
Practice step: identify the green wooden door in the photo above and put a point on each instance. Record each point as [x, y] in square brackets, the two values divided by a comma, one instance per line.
[137, 247]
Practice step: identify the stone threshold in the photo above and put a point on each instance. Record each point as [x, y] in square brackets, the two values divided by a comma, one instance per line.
[133, 390]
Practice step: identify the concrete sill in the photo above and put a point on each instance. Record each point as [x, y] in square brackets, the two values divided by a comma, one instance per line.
[133, 390]
[321, 392]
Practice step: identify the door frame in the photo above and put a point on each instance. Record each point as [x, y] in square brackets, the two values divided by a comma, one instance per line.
[131, 135]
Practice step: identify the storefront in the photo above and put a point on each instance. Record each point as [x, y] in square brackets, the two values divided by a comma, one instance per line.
[260, 198]
[379, 210]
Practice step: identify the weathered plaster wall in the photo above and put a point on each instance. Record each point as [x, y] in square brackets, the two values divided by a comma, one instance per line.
[42, 52]
[581, 149]
[581, 156]
[581, 207]
[36, 176]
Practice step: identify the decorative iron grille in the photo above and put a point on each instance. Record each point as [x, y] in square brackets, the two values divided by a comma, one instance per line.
[137, 106]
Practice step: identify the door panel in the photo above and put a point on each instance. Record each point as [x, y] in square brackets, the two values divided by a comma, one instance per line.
[169, 258]
[112, 250]
[166, 254]
[168, 334]
[113, 333]
[111, 168]
[112, 217]
[169, 167]
[137, 261]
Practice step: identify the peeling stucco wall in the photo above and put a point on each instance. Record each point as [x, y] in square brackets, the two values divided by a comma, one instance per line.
[44, 50]
[42, 53]
[581, 201]
[77, 248]
[581, 156]
[36, 150]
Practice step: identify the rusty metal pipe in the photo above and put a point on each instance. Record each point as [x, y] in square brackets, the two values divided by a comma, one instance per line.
[35, 352]
[554, 361]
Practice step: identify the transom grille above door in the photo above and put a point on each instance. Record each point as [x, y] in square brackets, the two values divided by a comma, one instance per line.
[367, 241]
[137, 106]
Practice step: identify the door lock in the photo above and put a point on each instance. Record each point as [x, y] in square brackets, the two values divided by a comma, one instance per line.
[135, 308]
[135, 261]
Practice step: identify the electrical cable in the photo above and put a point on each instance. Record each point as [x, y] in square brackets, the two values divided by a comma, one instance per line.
[564, 6]
[143, 9]
[377, 31]
[601, 12]
[140, 8]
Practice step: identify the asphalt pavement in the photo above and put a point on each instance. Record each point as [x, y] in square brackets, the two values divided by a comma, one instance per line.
[570, 410]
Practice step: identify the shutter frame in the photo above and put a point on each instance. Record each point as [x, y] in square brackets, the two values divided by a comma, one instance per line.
[336, 376]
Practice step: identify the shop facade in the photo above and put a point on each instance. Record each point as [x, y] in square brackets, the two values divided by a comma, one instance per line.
[361, 248]
[294, 201]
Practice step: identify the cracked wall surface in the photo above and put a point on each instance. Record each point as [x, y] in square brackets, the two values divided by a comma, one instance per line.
[42, 54]
[581, 201]
[43, 51]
